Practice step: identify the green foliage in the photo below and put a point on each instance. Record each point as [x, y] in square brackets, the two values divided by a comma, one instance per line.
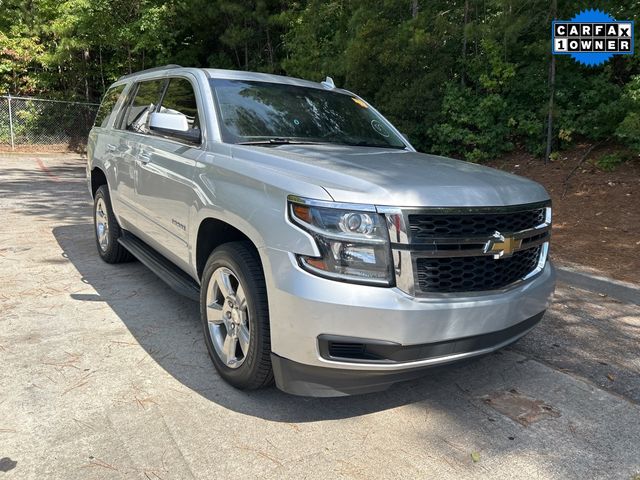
[555, 156]
[610, 161]
[628, 131]
[475, 126]
[468, 78]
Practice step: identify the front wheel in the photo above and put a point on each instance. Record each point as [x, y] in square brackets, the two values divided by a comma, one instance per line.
[235, 316]
[107, 229]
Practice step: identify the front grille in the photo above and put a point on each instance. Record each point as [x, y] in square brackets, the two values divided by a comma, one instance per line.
[472, 274]
[346, 349]
[425, 226]
[469, 250]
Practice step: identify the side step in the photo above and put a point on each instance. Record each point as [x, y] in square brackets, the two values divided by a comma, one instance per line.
[167, 271]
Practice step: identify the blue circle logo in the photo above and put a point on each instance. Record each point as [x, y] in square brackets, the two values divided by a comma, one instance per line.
[592, 37]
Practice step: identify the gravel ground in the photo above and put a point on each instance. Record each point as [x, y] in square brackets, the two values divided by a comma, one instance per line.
[104, 374]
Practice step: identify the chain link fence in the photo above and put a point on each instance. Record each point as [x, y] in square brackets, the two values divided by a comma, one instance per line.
[27, 122]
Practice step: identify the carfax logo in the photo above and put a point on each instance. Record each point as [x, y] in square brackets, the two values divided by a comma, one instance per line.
[592, 37]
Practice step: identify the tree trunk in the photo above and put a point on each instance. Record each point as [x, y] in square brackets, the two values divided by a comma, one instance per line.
[269, 48]
[552, 93]
[464, 41]
[415, 7]
[504, 35]
[85, 58]
[101, 69]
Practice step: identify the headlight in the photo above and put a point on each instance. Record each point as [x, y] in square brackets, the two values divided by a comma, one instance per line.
[354, 244]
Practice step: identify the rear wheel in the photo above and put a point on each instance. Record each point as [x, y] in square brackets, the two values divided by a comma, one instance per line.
[235, 316]
[107, 229]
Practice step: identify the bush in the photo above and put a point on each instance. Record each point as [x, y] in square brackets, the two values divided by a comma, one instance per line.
[628, 132]
[611, 161]
[474, 126]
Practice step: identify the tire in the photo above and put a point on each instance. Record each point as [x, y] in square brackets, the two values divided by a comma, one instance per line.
[233, 272]
[108, 247]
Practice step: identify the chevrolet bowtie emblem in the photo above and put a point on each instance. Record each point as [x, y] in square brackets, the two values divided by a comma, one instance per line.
[501, 246]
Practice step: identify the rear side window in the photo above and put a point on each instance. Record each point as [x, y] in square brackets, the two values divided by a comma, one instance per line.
[144, 102]
[106, 107]
[180, 99]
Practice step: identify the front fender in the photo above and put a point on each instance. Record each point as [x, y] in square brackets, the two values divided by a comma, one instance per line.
[251, 199]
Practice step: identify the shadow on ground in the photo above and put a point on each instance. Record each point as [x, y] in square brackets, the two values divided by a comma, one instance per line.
[56, 192]
[449, 399]
[175, 341]
[590, 335]
[442, 416]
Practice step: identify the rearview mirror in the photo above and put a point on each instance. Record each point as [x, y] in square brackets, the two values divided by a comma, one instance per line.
[173, 125]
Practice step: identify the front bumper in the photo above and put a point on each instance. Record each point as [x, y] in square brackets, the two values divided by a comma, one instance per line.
[309, 380]
[305, 308]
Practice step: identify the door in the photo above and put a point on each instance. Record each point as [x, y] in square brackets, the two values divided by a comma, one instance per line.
[127, 139]
[165, 168]
[105, 147]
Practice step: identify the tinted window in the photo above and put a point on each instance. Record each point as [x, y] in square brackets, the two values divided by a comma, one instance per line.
[180, 99]
[259, 111]
[144, 102]
[106, 107]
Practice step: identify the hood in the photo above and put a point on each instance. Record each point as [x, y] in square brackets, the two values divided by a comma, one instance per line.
[390, 177]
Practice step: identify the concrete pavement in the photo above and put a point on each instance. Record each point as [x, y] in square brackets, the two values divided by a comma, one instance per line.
[104, 374]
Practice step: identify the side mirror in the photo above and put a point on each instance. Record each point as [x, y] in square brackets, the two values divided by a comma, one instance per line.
[173, 125]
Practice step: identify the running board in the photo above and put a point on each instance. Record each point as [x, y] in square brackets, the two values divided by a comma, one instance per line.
[163, 268]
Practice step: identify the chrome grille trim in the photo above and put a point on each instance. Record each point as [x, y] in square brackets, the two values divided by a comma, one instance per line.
[405, 252]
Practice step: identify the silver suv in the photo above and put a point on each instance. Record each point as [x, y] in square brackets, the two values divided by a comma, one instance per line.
[326, 253]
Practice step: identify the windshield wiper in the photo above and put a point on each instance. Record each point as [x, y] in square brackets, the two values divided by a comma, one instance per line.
[278, 141]
[288, 141]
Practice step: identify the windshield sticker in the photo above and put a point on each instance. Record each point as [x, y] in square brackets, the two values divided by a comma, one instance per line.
[379, 128]
[357, 101]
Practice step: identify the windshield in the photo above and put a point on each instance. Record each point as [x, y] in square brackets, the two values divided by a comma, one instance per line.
[274, 113]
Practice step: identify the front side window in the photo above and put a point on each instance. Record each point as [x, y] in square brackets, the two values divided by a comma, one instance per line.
[180, 99]
[263, 112]
[106, 107]
[144, 102]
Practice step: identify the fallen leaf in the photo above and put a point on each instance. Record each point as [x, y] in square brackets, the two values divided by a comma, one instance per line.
[475, 456]
[611, 376]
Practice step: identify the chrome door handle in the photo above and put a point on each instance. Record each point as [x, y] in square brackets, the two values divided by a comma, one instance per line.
[111, 147]
[144, 158]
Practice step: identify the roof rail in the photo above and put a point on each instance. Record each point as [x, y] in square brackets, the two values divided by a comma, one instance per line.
[163, 67]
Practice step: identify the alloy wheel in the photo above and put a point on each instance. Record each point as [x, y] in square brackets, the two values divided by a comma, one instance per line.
[228, 317]
[102, 225]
